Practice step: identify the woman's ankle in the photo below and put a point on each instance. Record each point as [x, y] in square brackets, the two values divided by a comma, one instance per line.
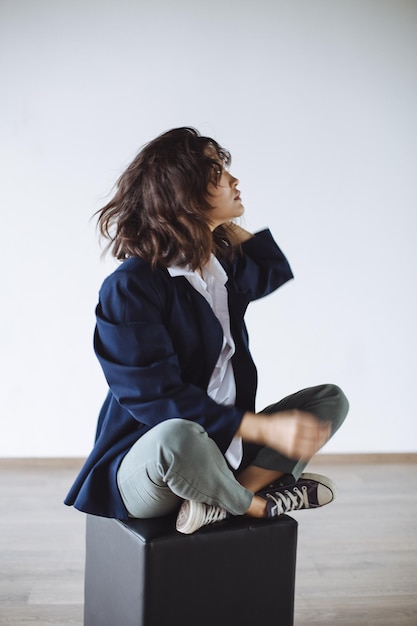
[257, 507]
[255, 478]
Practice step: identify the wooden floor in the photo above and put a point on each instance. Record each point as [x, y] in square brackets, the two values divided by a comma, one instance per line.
[357, 559]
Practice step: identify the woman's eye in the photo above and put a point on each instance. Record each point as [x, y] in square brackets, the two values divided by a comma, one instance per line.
[218, 171]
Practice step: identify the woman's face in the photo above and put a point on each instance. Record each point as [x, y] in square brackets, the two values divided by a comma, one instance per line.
[224, 199]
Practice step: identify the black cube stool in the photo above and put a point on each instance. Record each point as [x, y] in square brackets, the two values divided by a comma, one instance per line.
[238, 572]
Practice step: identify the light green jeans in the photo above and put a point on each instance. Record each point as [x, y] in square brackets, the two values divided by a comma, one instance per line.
[176, 460]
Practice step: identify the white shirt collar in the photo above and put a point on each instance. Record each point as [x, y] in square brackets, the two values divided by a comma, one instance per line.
[212, 269]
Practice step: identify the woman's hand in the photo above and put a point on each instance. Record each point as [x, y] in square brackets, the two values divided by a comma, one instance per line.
[297, 434]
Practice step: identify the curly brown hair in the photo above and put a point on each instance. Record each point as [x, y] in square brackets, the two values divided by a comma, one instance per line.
[160, 211]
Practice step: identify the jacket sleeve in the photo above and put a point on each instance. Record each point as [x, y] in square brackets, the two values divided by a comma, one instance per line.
[135, 350]
[259, 268]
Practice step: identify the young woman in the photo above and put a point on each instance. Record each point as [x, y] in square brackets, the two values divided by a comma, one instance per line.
[178, 431]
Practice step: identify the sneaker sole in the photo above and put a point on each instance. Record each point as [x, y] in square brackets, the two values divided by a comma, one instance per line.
[192, 521]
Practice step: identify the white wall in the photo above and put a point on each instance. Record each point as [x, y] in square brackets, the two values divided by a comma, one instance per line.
[315, 99]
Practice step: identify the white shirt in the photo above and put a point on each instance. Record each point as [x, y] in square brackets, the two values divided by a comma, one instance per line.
[221, 387]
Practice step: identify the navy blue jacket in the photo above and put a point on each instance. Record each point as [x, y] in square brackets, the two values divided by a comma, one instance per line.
[158, 340]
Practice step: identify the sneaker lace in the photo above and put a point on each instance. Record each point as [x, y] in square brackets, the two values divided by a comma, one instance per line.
[290, 500]
[213, 514]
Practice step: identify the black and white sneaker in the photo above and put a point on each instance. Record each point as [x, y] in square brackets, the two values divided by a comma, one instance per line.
[193, 515]
[310, 491]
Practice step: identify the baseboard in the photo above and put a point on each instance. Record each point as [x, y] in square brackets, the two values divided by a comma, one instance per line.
[72, 463]
[365, 457]
[75, 463]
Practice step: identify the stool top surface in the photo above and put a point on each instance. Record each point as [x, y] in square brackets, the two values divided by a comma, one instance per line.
[164, 527]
